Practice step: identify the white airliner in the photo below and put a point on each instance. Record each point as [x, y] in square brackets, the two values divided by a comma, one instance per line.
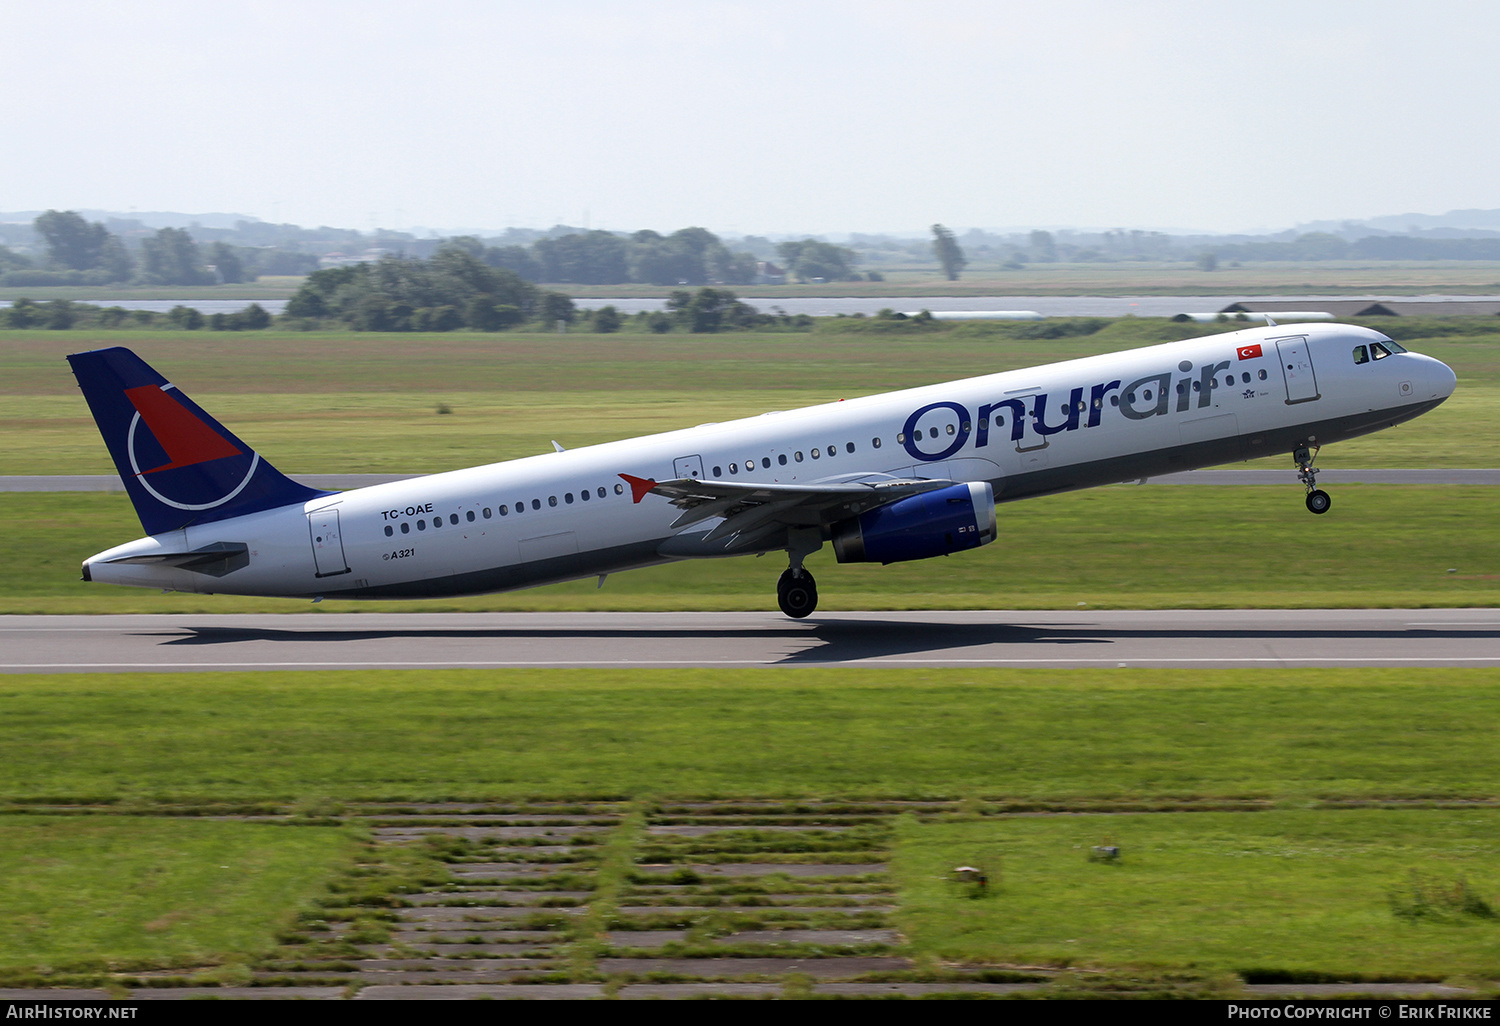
[899, 476]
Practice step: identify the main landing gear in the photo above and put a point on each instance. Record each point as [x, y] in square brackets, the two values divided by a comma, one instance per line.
[1317, 499]
[797, 592]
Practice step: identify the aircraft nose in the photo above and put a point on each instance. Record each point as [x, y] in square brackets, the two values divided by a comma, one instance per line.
[1431, 379]
[1445, 380]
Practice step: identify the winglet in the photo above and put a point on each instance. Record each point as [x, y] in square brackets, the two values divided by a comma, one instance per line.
[640, 487]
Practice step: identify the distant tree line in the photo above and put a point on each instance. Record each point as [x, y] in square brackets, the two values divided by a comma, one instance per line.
[689, 256]
[80, 252]
[62, 314]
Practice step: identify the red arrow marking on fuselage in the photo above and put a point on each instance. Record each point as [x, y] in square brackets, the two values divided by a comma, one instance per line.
[639, 486]
[183, 435]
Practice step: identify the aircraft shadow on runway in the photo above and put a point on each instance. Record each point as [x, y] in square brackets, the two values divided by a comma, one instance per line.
[826, 641]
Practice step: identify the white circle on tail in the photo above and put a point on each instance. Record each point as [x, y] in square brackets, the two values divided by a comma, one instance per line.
[135, 468]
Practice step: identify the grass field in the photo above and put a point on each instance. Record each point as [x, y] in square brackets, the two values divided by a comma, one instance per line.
[1350, 869]
[1070, 737]
[1210, 892]
[80, 892]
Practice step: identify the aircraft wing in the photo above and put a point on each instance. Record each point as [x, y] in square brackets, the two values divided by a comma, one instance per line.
[751, 511]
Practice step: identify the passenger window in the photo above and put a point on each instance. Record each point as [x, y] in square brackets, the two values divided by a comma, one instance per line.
[932, 432]
[734, 468]
[405, 527]
[470, 515]
[619, 489]
[1245, 378]
[552, 500]
[833, 450]
[797, 456]
[504, 510]
[437, 521]
[901, 438]
[601, 492]
[875, 442]
[1262, 375]
[781, 459]
[816, 453]
[486, 513]
[389, 530]
[1379, 351]
[568, 498]
[718, 472]
[849, 446]
[950, 429]
[765, 462]
[421, 525]
[453, 518]
[536, 503]
[584, 495]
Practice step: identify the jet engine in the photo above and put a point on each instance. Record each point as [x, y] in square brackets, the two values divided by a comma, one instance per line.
[935, 523]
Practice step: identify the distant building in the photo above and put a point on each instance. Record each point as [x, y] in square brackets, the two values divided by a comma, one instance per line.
[767, 273]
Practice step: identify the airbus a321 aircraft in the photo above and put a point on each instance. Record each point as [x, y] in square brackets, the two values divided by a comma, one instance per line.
[885, 478]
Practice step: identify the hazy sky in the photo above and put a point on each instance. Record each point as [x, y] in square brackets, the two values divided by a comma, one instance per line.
[754, 116]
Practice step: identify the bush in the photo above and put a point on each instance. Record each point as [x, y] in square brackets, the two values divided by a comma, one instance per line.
[185, 317]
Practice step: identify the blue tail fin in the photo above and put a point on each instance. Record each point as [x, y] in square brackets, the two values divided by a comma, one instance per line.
[179, 465]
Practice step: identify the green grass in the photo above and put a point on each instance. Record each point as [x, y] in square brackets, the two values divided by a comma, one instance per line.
[1125, 735]
[1272, 895]
[81, 893]
[1227, 547]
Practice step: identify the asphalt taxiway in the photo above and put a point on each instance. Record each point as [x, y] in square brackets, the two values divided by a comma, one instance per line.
[1082, 638]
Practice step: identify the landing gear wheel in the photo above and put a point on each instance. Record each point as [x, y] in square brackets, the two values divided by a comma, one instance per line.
[1317, 499]
[797, 593]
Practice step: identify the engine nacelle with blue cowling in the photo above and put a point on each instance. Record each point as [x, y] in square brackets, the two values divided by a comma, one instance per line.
[935, 523]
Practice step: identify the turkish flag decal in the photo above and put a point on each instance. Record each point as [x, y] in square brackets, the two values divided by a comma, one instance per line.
[1249, 352]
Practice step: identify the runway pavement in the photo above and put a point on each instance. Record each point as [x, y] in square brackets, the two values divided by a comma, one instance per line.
[1173, 638]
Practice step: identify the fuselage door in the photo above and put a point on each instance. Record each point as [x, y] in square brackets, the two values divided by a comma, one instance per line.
[1297, 370]
[688, 467]
[327, 543]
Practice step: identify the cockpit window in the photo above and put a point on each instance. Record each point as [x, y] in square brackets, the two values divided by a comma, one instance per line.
[1361, 354]
[1392, 346]
[1379, 351]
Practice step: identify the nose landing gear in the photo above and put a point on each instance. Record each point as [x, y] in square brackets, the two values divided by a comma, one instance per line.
[1317, 499]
